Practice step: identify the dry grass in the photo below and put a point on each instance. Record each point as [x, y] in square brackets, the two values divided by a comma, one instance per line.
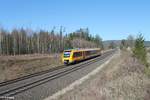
[147, 70]
[148, 57]
[122, 79]
[12, 67]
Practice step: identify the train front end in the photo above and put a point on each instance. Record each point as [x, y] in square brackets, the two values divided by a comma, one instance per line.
[67, 57]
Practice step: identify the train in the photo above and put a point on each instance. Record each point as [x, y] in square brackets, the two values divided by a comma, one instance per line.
[75, 55]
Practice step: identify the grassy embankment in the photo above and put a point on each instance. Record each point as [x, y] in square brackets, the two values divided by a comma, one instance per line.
[123, 78]
[147, 70]
[12, 67]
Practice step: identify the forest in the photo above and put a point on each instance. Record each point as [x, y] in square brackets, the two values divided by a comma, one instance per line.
[26, 41]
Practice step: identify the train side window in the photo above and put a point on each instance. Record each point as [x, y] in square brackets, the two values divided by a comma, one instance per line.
[77, 54]
[88, 53]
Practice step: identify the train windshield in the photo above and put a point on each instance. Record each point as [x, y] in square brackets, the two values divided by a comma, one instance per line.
[67, 53]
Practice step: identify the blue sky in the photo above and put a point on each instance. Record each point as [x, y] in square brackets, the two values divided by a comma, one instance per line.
[111, 19]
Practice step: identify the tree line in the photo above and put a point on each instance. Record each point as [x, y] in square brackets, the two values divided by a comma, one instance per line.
[27, 41]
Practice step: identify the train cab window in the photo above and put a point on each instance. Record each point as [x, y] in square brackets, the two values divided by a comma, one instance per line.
[77, 54]
[67, 54]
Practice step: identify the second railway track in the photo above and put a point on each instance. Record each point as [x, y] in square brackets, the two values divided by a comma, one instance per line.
[11, 88]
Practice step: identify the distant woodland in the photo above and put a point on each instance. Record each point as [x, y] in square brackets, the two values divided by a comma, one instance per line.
[26, 41]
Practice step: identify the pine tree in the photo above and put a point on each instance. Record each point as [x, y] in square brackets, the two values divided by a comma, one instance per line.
[139, 50]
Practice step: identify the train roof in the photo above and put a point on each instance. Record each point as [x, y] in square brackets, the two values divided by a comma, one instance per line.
[81, 49]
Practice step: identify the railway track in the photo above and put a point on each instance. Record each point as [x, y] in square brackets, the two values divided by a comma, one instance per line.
[31, 75]
[13, 87]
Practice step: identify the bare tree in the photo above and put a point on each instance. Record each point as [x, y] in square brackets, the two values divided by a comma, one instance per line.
[112, 45]
[130, 41]
[25, 41]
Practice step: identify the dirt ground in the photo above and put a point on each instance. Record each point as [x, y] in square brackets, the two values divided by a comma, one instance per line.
[12, 67]
[122, 79]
